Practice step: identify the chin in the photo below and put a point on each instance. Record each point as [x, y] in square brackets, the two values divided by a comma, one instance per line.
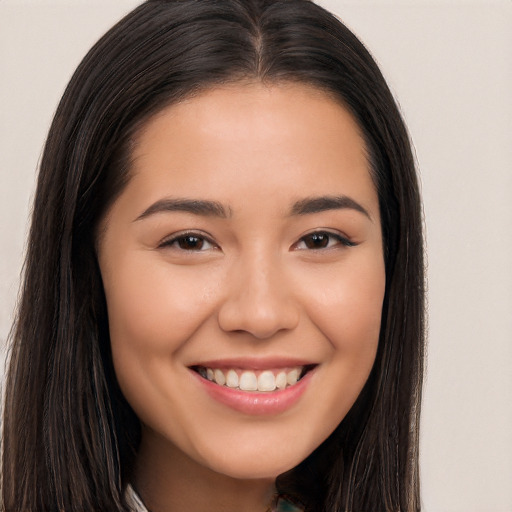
[256, 464]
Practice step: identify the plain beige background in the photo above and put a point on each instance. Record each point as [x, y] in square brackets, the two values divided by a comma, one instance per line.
[449, 63]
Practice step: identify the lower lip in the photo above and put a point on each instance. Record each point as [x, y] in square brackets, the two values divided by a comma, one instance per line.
[254, 403]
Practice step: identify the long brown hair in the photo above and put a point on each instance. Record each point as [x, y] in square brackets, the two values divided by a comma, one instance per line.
[69, 436]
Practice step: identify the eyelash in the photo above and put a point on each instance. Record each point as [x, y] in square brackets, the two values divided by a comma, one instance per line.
[181, 237]
[340, 239]
[200, 238]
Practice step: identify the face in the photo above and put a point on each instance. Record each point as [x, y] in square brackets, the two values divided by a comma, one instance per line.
[244, 277]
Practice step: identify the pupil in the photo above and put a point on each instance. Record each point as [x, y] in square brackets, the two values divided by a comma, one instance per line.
[190, 242]
[318, 241]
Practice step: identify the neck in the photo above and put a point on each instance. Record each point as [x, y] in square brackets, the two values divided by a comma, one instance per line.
[170, 481]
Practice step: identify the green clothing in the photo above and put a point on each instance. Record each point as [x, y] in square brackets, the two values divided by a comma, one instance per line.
[281, 504]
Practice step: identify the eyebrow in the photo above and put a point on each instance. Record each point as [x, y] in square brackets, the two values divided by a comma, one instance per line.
[195, 206]
[207, 208]
[325, 203]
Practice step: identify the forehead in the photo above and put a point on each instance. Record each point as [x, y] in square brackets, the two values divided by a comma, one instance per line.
[285, 136]
[253, 110]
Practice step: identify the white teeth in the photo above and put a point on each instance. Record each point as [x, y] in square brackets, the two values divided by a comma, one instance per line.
[292, 377]
[281, 380]
[266, 381]
[232, 379]
[220, 379]
[248, 381]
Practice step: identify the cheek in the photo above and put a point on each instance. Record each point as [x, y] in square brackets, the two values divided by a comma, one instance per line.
[347, 309]
[154, 308]
[346, 305]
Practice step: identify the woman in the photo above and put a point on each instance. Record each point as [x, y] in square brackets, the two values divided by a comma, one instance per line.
[223, 296]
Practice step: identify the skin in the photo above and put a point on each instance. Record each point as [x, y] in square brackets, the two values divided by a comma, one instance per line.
[257, 286]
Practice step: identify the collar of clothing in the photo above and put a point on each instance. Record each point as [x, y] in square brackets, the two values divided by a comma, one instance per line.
[280, 504]
[133, 500]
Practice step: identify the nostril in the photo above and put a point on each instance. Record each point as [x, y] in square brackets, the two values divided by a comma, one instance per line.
[262, 319]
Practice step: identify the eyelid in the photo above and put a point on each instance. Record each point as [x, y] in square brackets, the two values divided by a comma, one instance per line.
[169, 240]
[343, 239]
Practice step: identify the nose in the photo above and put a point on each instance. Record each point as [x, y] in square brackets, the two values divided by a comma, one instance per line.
[259, 300]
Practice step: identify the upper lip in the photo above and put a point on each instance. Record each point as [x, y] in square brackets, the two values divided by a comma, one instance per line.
[253, 363]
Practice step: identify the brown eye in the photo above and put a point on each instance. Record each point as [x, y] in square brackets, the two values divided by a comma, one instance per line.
[323, 240]
[190, 243]
[317, 241]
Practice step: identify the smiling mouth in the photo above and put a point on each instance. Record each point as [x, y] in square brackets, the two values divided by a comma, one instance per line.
[264, 381]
